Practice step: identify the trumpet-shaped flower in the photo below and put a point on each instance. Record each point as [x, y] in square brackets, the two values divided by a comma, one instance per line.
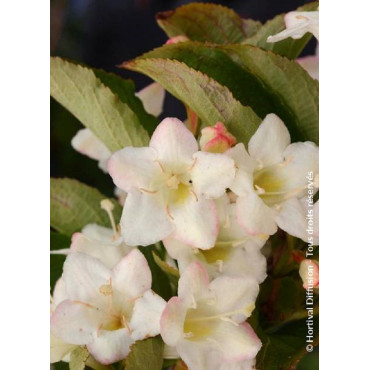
[107, 310]
[272, 178]
[297, 25]
[170, 187]
[85, 141]
[208, 317]
[235, 253]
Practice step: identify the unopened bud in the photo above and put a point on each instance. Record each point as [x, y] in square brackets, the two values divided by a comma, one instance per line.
[309, 272]
[216, 139]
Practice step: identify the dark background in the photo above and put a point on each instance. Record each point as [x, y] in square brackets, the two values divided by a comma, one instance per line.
[103, 34]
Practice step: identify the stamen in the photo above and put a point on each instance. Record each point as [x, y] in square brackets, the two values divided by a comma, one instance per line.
[169, 213]
[227, 319]
[192, 192]
[148, 191]
[259, 190]
[125, 324]
[220, 265]
[193, 302]
[160, 165]
[108, 207]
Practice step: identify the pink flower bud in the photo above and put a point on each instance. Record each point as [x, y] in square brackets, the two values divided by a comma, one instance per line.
[309, 272]
[216, 139]
[176, 39]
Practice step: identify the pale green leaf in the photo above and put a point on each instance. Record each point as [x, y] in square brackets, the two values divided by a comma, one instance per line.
[211, 101]
[74, 205]
[262, 80]
[80, 91]
[78, 358]
[146, 355]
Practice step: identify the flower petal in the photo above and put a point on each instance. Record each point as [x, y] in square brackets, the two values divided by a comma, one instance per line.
[212, 173]
[194, 354]
[60, 292]
[172, 321]
[74, 322]
[83, 276]
[145, 320]
[152, 97]
[174, 143]
[195, 222]
[108, 347]
[132, 275]
[193, 283]
[243, 180]
[144, 219]
[300, 160]
[269, 142]
[134, 168]
[234, 294]
[254, 215]
[88, 144]
[246, 261]
[104, 250]
[236, 343]
[292, 219]
[311, 65]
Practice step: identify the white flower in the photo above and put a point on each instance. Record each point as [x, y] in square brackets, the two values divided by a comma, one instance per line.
[170, 187]
[235, 253]
[272, 178]
[208, 318]
[85, 142]
[297, 25]
[107, 310]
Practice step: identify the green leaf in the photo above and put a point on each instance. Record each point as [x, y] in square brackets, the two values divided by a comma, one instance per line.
[172, 273]
[283, 349]
[262, 80]
[203, 22]
[74, 205]
[78, 358]
[80, 91]
[125, 90]
[57, 241]
[160, 280]
[289, 47]
[251, 27]
[210, 100]
[146, 355]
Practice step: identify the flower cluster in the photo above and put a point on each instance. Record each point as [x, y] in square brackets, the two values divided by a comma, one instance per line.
[213, 210]
[210, 203]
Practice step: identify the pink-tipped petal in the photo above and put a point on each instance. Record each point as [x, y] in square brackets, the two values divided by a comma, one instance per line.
[174, 143]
